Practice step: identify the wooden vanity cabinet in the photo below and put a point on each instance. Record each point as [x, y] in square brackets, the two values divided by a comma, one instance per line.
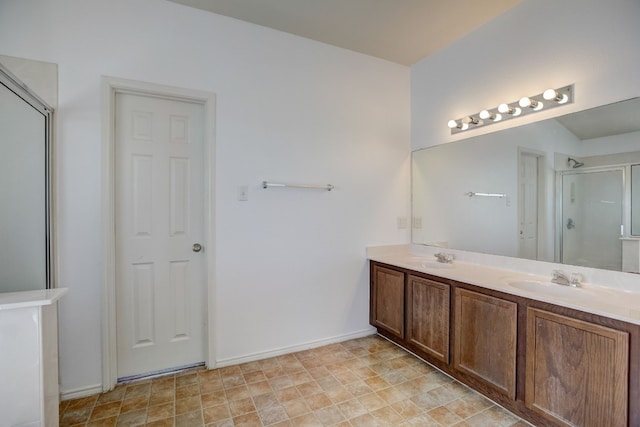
[428, 316]
[486, 335]
[387, 300]
[549, 364]
[576, 372]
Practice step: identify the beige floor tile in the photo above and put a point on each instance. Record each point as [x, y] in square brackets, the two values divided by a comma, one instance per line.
[329, 415]
[362, 382]
[352, 408]
[296, 408]
[218, 413]
[307, 420]
[265, 401]
[388, 416]
[406, 409]
[105, 422]
[160, 412]
[190, 419]
[286, 394]
[318, 401]
[241, 407]
[247, 420]
[273, 415]
[189, 404]
[444, 416]
[213, 399]
[105, 410]
[134, 403]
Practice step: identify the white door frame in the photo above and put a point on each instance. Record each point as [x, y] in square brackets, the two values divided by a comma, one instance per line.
[111, 86]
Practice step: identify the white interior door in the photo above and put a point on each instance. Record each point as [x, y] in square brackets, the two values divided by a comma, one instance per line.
[160, 275]
[528, 207]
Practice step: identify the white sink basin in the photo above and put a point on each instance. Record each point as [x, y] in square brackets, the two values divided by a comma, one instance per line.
[436, 265]
[551, 289]
[426, 262]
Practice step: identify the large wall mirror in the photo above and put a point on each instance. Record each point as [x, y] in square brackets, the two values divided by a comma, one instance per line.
[25, 193]
[563, 190]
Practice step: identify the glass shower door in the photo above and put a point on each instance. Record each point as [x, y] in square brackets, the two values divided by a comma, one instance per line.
[592, 218]
[24, 191]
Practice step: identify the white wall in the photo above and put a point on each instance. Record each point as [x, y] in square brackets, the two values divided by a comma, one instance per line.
[535, 45]
[291, 265]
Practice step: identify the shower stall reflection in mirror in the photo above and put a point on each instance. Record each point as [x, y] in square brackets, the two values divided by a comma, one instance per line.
[593, 213]
[25, 188]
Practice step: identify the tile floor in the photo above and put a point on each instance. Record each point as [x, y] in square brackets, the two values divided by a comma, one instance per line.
[362, 382]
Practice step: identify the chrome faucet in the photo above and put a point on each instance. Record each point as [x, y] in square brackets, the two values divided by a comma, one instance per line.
[561, 278]
[446, 258]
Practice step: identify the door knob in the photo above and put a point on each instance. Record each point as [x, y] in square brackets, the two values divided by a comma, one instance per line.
[197, 247]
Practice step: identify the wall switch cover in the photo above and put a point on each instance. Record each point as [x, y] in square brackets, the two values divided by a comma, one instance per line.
[243, 193]
[403, 222]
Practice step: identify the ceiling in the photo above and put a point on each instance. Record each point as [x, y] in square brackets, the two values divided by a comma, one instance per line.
[608, 120]
[401, 31]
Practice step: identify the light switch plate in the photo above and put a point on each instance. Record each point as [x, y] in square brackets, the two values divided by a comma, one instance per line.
[243, 193]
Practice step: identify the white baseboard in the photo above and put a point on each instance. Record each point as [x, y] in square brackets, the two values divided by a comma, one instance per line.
[221, 363]
[80, 392]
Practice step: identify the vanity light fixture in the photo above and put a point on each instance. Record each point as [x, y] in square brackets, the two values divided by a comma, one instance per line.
[550, 98]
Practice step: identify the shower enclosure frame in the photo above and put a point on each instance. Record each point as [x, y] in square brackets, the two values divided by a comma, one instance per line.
[625, 231]
[22, 91]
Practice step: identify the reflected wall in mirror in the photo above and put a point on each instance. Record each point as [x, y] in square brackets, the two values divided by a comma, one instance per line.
[25, 253]
[558, 190]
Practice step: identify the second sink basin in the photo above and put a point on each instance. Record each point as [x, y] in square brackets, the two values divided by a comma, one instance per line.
[551, 289]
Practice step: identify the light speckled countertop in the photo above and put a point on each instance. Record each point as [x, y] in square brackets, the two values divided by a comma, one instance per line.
[12, 300]
[610, 302]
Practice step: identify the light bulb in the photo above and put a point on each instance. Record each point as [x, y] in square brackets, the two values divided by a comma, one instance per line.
[452, 124]
[506, 109]
[554, 95]
[525, 102]
[464, 126]
[528, 102]
[486, 114]
[550, 94]
[470, 120]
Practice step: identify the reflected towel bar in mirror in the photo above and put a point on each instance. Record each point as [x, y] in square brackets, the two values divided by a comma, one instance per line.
[328, 187]
[473, 194]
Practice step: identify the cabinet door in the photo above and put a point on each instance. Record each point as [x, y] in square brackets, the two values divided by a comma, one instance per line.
[387, 300]
[485, 339]
[428, 316]
[577, 372]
